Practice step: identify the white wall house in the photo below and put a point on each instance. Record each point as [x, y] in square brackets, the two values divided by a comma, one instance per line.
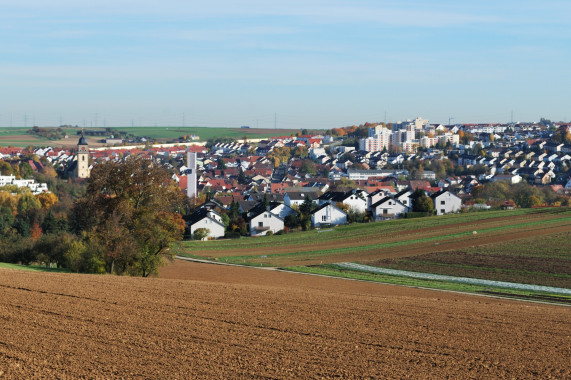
[209, 219]
[35, 187]
[327, 214]
[281, 209]
[388, 208]
[404, 198]
[445, 202]
[296, 198]
[355, 199]
[265, 221]
[374, 197]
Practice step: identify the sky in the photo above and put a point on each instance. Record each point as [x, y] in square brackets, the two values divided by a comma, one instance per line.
[284, 64]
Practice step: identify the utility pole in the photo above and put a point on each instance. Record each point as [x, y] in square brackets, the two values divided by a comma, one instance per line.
[449, 119]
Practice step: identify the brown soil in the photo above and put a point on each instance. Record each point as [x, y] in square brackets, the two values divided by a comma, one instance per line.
[210, 321]
[530, 270]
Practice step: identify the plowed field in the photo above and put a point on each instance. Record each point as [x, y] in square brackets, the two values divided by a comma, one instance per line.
[210, 321]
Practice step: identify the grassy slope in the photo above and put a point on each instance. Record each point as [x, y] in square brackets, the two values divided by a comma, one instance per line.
[33, 268]
[375, 238]
[516, 261]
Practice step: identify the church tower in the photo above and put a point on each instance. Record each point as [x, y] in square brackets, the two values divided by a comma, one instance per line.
[82, 166]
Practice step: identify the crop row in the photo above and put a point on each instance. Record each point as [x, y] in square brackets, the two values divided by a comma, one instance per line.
[361, 232]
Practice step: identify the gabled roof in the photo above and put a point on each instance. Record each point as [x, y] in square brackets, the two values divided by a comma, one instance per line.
[200, 214]
[401, 193]
[259, 210]
[325, 205]
[385, 199]
[439, 193]
[333, 196]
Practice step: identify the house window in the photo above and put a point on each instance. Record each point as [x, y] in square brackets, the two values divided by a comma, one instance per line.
[443, 202]
[324, 218]
[260, 224]
[385, 211]
[442, 211]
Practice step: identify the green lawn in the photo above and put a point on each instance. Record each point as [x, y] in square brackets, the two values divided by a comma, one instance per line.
[34, 268]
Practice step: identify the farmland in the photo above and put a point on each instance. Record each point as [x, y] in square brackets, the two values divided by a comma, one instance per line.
[19, 137]
[204, 133]
[525, 246]
[376, 241]
[212, 321]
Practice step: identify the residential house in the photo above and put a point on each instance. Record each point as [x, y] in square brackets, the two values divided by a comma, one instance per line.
[355, 199]
[264, 221]
[445, 202]
[388, 208]
[404, 198]
[209, 219]
[297, 197]
[328, 215]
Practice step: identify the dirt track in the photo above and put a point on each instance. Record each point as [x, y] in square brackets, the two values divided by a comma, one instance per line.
[207, 321]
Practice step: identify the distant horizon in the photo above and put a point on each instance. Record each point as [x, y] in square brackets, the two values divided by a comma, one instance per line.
[278, 128]
[311, 64]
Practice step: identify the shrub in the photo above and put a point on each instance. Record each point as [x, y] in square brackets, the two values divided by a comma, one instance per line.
[200, 233]
[232, 235]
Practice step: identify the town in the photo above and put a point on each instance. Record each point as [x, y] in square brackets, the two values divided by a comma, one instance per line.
[317, 179]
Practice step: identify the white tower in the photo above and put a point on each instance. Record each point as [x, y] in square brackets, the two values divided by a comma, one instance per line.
[82, 168]
[191, 174]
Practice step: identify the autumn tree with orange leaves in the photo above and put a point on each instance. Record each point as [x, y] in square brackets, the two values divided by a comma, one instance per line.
[131, 213]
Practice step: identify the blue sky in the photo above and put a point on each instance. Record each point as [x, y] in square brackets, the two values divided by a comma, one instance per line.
[314, 64]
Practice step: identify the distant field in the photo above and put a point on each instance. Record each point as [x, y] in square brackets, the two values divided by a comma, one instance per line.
[205, 133]
[19, 136]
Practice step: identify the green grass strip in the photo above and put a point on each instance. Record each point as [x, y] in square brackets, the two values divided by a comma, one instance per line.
[331, 270]
[33, 268]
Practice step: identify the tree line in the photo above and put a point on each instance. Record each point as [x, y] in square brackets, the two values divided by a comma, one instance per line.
[124, 223]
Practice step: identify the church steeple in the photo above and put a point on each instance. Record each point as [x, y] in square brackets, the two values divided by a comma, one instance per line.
[82, 167]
